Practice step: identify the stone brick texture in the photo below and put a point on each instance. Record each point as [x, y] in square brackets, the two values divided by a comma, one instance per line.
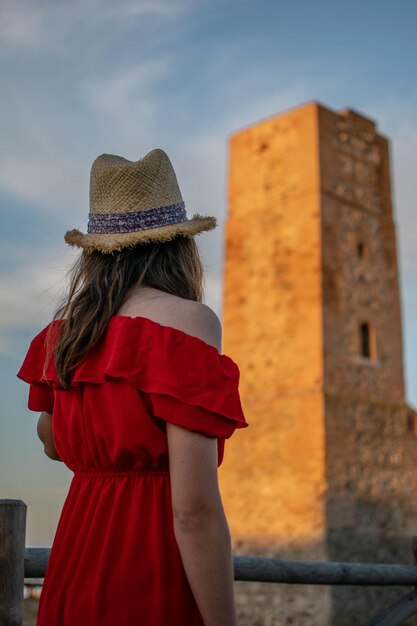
[327, 468]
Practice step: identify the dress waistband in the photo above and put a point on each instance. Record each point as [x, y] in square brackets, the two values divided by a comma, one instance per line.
[119, 474]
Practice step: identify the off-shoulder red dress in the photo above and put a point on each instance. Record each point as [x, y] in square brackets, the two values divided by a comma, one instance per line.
[114, 558]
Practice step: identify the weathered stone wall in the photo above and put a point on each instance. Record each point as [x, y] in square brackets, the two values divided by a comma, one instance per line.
[371, 455]
[272, 478]
[326, 467]
[371, 463]
[272, 327]
[356, 208]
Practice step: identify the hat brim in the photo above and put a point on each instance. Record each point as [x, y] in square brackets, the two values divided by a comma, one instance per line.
[108, 243]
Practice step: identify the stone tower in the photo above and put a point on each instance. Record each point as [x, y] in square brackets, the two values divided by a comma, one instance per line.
[311, 313]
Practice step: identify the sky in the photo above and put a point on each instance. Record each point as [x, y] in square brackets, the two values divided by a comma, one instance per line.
[79, 78]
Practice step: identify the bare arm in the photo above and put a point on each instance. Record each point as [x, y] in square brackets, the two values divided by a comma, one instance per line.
[200, 524]
[44, 430]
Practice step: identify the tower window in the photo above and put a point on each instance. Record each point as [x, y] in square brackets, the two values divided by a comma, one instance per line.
[367, 340]
[361, 250]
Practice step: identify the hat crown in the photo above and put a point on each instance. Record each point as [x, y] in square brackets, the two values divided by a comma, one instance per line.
[118, 185]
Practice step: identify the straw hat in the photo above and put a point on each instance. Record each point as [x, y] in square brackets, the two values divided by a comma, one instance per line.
[134, 202]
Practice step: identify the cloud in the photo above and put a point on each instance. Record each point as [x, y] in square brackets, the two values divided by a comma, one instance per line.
[29, 292]
[45, 25]
[52, 128]
[47, 181]
[123, 103]
[47, 148]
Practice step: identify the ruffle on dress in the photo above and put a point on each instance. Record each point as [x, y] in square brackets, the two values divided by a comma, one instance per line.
[41, 397]
[188, 382]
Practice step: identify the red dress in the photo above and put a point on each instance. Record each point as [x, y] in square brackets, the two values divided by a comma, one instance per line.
[114, 559]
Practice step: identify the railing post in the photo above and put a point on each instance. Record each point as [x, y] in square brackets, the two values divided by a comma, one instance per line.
[12, 553]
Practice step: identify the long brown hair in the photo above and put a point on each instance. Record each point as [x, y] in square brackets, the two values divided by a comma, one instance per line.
[100, 283]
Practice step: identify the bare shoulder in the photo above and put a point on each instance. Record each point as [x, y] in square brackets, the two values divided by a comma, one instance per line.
[193, 318]
[199, 320]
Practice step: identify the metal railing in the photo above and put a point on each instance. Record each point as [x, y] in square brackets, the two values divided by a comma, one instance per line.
[18, 563]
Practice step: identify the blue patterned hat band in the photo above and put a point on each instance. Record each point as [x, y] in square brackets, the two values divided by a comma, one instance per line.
[136, 220]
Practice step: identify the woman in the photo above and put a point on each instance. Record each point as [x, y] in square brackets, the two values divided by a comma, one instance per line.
[137, 400]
